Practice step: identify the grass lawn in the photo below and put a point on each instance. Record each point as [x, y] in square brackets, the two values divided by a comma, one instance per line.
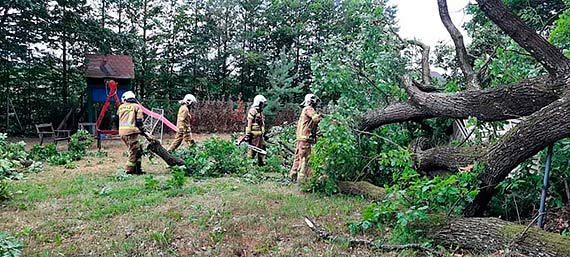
[92, 211]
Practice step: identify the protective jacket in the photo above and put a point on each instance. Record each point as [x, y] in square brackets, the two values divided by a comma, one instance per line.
[128, 114]
[255, 122]
[308, 124]
[184, 118]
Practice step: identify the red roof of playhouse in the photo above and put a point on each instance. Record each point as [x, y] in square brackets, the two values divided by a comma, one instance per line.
[109, 66]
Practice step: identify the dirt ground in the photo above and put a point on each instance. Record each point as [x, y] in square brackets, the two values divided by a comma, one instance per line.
[94, 210]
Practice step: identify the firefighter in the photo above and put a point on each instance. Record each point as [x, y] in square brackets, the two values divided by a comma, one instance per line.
[130, 126]
[183, 122]
[306, 137]
[255, 129]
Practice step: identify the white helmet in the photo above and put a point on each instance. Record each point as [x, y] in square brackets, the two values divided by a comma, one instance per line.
[311, 100]
[127, 95]
[259, 101]
[188, 99]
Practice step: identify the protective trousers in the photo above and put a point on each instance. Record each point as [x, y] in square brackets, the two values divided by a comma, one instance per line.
[300, 170]
[258, 141]
[135, 153]
[183, 134]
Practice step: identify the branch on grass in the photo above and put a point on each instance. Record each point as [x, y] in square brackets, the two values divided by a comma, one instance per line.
[324, 234]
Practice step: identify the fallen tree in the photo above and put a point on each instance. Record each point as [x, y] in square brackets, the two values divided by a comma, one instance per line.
[475, 235]
[492, 235]
[543, 102]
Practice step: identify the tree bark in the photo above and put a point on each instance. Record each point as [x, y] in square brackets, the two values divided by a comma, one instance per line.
[447, 158]
[492, 235]
[496, 104]
[460, 50]
[533, 134]
[155, 147]
[547, 54]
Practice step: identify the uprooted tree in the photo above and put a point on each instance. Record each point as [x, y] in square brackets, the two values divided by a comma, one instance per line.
[543, 104]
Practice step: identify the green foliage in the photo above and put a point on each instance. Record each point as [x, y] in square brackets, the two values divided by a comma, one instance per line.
[9, 246]
[342, 154]
[517, 197]
[78, 145]
[80, 142]
[360, 69]
[43, 152]
[150, 183]
[5, 191]
[413, 198]
[215, 158]
[560, 35]
[178, 179]
[12, 160]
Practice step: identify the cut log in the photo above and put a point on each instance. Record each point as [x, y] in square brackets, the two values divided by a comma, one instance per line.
[491, 235]
[363, 188]
[155, 147]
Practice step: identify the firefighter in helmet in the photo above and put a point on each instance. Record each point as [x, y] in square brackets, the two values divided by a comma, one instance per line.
[255, 129]
[130, 126]
[306, 137]
[184, 119]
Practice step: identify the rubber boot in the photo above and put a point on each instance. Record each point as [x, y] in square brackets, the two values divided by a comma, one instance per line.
[139, 170]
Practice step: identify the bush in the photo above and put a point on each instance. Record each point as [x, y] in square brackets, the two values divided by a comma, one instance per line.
[5, 192]
[9, 246]
[80, 142]
[43, 153]
[413, 198]
[12, 160]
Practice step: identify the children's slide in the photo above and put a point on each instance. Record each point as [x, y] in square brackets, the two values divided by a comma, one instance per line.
[159, 117]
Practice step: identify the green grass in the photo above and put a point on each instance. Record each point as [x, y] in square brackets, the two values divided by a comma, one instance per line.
[92, 211]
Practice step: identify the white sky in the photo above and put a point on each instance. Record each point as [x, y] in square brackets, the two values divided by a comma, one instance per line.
[419, 19]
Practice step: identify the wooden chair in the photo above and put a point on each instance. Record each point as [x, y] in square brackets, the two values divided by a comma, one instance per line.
[46, 130]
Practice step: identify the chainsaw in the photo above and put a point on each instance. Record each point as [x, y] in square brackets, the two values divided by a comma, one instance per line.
[242, 138]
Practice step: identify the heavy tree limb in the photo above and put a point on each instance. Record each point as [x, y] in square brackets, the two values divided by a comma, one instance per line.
[492, 235]
[501, 103]
[460, 50]
[426, 74]
[326, 235]
[526, 139]
[547, 54]
[447, 158]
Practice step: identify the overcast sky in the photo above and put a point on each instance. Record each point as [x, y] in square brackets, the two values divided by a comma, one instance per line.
[420, 19]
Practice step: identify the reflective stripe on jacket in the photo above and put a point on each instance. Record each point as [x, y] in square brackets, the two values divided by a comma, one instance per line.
[255, 122]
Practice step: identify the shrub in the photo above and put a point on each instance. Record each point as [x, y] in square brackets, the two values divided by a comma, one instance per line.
[80, 142]
[42, 153]
[9, 246]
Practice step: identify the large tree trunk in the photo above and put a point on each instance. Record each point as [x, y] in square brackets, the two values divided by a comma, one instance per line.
[496, 104]
[544, 102]
[533, 134]
[492, 235]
